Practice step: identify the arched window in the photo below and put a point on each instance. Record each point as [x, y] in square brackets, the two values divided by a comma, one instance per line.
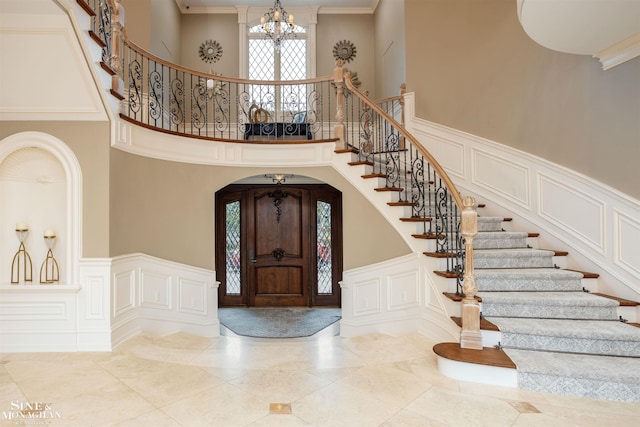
[267, 63]
[287, 63]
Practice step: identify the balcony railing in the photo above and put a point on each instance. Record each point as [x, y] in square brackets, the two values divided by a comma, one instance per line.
[171, 98]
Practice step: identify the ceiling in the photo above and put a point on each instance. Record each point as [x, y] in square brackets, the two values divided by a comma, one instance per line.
[586, 27]
[203, 6]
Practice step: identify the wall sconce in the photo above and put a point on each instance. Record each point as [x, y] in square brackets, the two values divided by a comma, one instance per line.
[49, 271]
[278, 178]
[213, 87]
[21, 258]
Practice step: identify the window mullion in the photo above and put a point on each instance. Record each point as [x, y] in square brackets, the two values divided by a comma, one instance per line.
[277, 73]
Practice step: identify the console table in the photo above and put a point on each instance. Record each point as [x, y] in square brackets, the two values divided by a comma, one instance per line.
[277, 129]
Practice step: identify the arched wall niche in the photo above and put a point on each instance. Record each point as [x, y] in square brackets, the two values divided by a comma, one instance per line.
[40, 185]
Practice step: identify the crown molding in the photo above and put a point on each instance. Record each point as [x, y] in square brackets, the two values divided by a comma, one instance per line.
[620, 52]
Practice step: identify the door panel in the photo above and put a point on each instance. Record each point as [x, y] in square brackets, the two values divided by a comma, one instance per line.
[279, 245]
[279, 240]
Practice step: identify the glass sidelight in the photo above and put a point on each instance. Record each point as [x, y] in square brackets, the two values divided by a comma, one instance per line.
[324, 249]
[232, 251]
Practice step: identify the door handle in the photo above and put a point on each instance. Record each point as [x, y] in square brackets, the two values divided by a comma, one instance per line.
[252, 258]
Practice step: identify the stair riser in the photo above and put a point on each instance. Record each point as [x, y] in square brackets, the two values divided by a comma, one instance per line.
[512, 262]
[537, 285]
[503, 263]
[479, 243]
[486, 225]
[571, 345]
[580, 387]
[500, 243]
[549, 311]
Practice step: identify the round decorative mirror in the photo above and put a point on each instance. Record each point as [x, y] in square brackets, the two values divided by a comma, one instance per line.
[344, 50]
[210, 51]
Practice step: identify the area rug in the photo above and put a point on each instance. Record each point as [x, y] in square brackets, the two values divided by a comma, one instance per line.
[288, 322]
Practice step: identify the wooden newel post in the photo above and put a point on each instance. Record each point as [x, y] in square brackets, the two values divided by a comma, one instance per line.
[470, 336]
[338, 81]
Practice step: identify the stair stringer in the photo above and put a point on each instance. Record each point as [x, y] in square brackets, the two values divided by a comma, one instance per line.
[80, 24]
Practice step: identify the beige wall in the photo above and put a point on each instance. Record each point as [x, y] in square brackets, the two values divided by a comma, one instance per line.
[165, 30]
[389, 48]
[196, 29]
[473, 68]
[90, 144]
[138, 22]
[357, 29]
[166, 209]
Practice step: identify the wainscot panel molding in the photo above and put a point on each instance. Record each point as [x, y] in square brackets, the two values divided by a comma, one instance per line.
[162, 297]
[596, 223]
[94, 305]
[116, 299]
[58, 317]
[396, 297]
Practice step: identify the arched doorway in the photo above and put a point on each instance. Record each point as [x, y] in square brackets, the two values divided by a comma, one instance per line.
[279, 245]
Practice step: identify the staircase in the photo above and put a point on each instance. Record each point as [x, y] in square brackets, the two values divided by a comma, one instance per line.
[546, 322]
[562, 338]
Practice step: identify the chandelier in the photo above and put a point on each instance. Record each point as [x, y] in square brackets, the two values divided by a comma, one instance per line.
[277, 24]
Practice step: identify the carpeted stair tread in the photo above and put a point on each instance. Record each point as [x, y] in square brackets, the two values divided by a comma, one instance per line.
[489, 223]
[513, 258]
[548, 298]
[569, 305]
[599, 377]
[528, 279]
[572, 336]
[500, 240]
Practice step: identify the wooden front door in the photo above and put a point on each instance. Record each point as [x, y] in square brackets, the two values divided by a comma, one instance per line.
[279, 245]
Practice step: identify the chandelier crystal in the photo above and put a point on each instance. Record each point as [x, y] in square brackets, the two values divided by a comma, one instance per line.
[277, 24]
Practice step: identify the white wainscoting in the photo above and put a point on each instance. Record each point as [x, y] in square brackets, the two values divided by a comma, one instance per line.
[395, 297]
[597, 224]
[160, 297]
[58, 317]
[116, 299]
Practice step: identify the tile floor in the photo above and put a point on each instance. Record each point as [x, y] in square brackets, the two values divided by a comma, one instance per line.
[325, 380]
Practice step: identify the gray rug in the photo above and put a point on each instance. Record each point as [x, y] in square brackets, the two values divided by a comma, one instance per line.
[288, 322]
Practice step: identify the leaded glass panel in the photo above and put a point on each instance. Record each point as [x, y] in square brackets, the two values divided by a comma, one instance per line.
[290, 63]
[323, 223]
[232, 262]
